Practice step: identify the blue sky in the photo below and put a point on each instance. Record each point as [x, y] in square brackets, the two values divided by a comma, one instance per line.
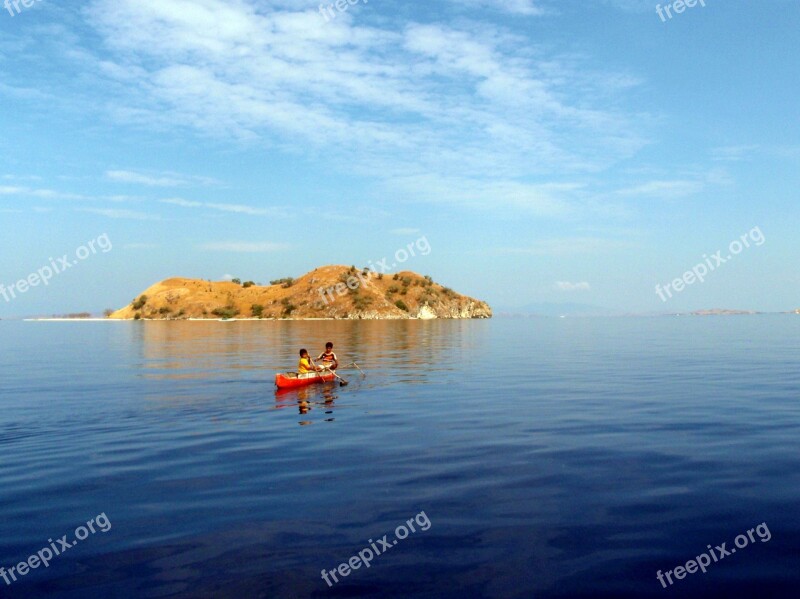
[549, 151]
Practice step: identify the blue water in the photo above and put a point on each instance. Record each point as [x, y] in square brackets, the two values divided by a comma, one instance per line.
[552, 458]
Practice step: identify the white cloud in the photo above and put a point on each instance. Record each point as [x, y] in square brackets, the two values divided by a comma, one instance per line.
[381, 97]
[140, 246]
[166, 179]
[521, 7]
[234, 208]
[564, 246]
[120, 214]
[545, 199]
[635, 6]
[733, 153]
[9, 190]
[54, 194]
[567, 286]
[663, 189]
[244, 247]
[241, 209]
[182, 203]
[468, 99]
[46, 194]
[21, 178]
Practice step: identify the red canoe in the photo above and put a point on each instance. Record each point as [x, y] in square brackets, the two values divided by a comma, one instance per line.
[291, 380]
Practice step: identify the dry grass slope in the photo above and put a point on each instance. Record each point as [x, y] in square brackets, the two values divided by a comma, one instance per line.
[347, 293]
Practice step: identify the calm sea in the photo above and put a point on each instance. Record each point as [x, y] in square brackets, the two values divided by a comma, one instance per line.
[550, 458]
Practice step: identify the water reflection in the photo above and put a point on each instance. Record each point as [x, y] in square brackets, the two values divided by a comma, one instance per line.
[415, 350]
[319, 397]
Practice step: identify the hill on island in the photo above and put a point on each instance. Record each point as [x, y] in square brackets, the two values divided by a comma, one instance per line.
[332, 292]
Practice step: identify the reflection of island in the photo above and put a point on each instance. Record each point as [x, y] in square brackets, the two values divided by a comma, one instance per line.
[212, 361]
[252, 352]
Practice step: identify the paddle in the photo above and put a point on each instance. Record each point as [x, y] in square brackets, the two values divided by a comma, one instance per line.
[342, 382]
[348, 365]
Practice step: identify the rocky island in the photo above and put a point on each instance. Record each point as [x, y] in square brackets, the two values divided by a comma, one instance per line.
[329, 292]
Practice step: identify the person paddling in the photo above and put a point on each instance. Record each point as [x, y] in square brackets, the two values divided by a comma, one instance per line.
[328, 358]
[304, 366]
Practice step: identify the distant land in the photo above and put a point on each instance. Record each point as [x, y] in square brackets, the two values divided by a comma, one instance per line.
[587, 311]
[721, 312]
[328, 292]
[171, 299]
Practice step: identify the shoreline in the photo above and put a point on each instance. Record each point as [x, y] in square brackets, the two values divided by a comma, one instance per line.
[317, 319]
[227, 319]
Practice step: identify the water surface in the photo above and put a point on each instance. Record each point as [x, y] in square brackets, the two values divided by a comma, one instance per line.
[554, 457]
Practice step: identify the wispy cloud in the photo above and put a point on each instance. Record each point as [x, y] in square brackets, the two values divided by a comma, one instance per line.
[404, 231]
[9, 177]
[564, 246]
[464, 98]
[47, 194]
[543, 199]
[165, 179]
[140, 246]
[221, 207]
[10, 190]
[635, 6]
[244, 247]
[24, 93]
[20, 191]
[241, 209]
[567, 286]
[733, 153]
[663, 189]
[120, 214]
[183, 203]
[520, 7]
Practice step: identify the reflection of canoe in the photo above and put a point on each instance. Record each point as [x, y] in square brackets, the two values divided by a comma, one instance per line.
[292, 380]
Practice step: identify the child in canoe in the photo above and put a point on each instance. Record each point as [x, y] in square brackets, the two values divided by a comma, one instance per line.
[304, 366]
[328, 358]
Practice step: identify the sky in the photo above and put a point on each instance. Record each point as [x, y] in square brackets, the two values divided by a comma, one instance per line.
[545, 150]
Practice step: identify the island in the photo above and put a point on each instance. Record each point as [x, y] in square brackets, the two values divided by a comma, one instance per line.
[328, 292]
[723, 312]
